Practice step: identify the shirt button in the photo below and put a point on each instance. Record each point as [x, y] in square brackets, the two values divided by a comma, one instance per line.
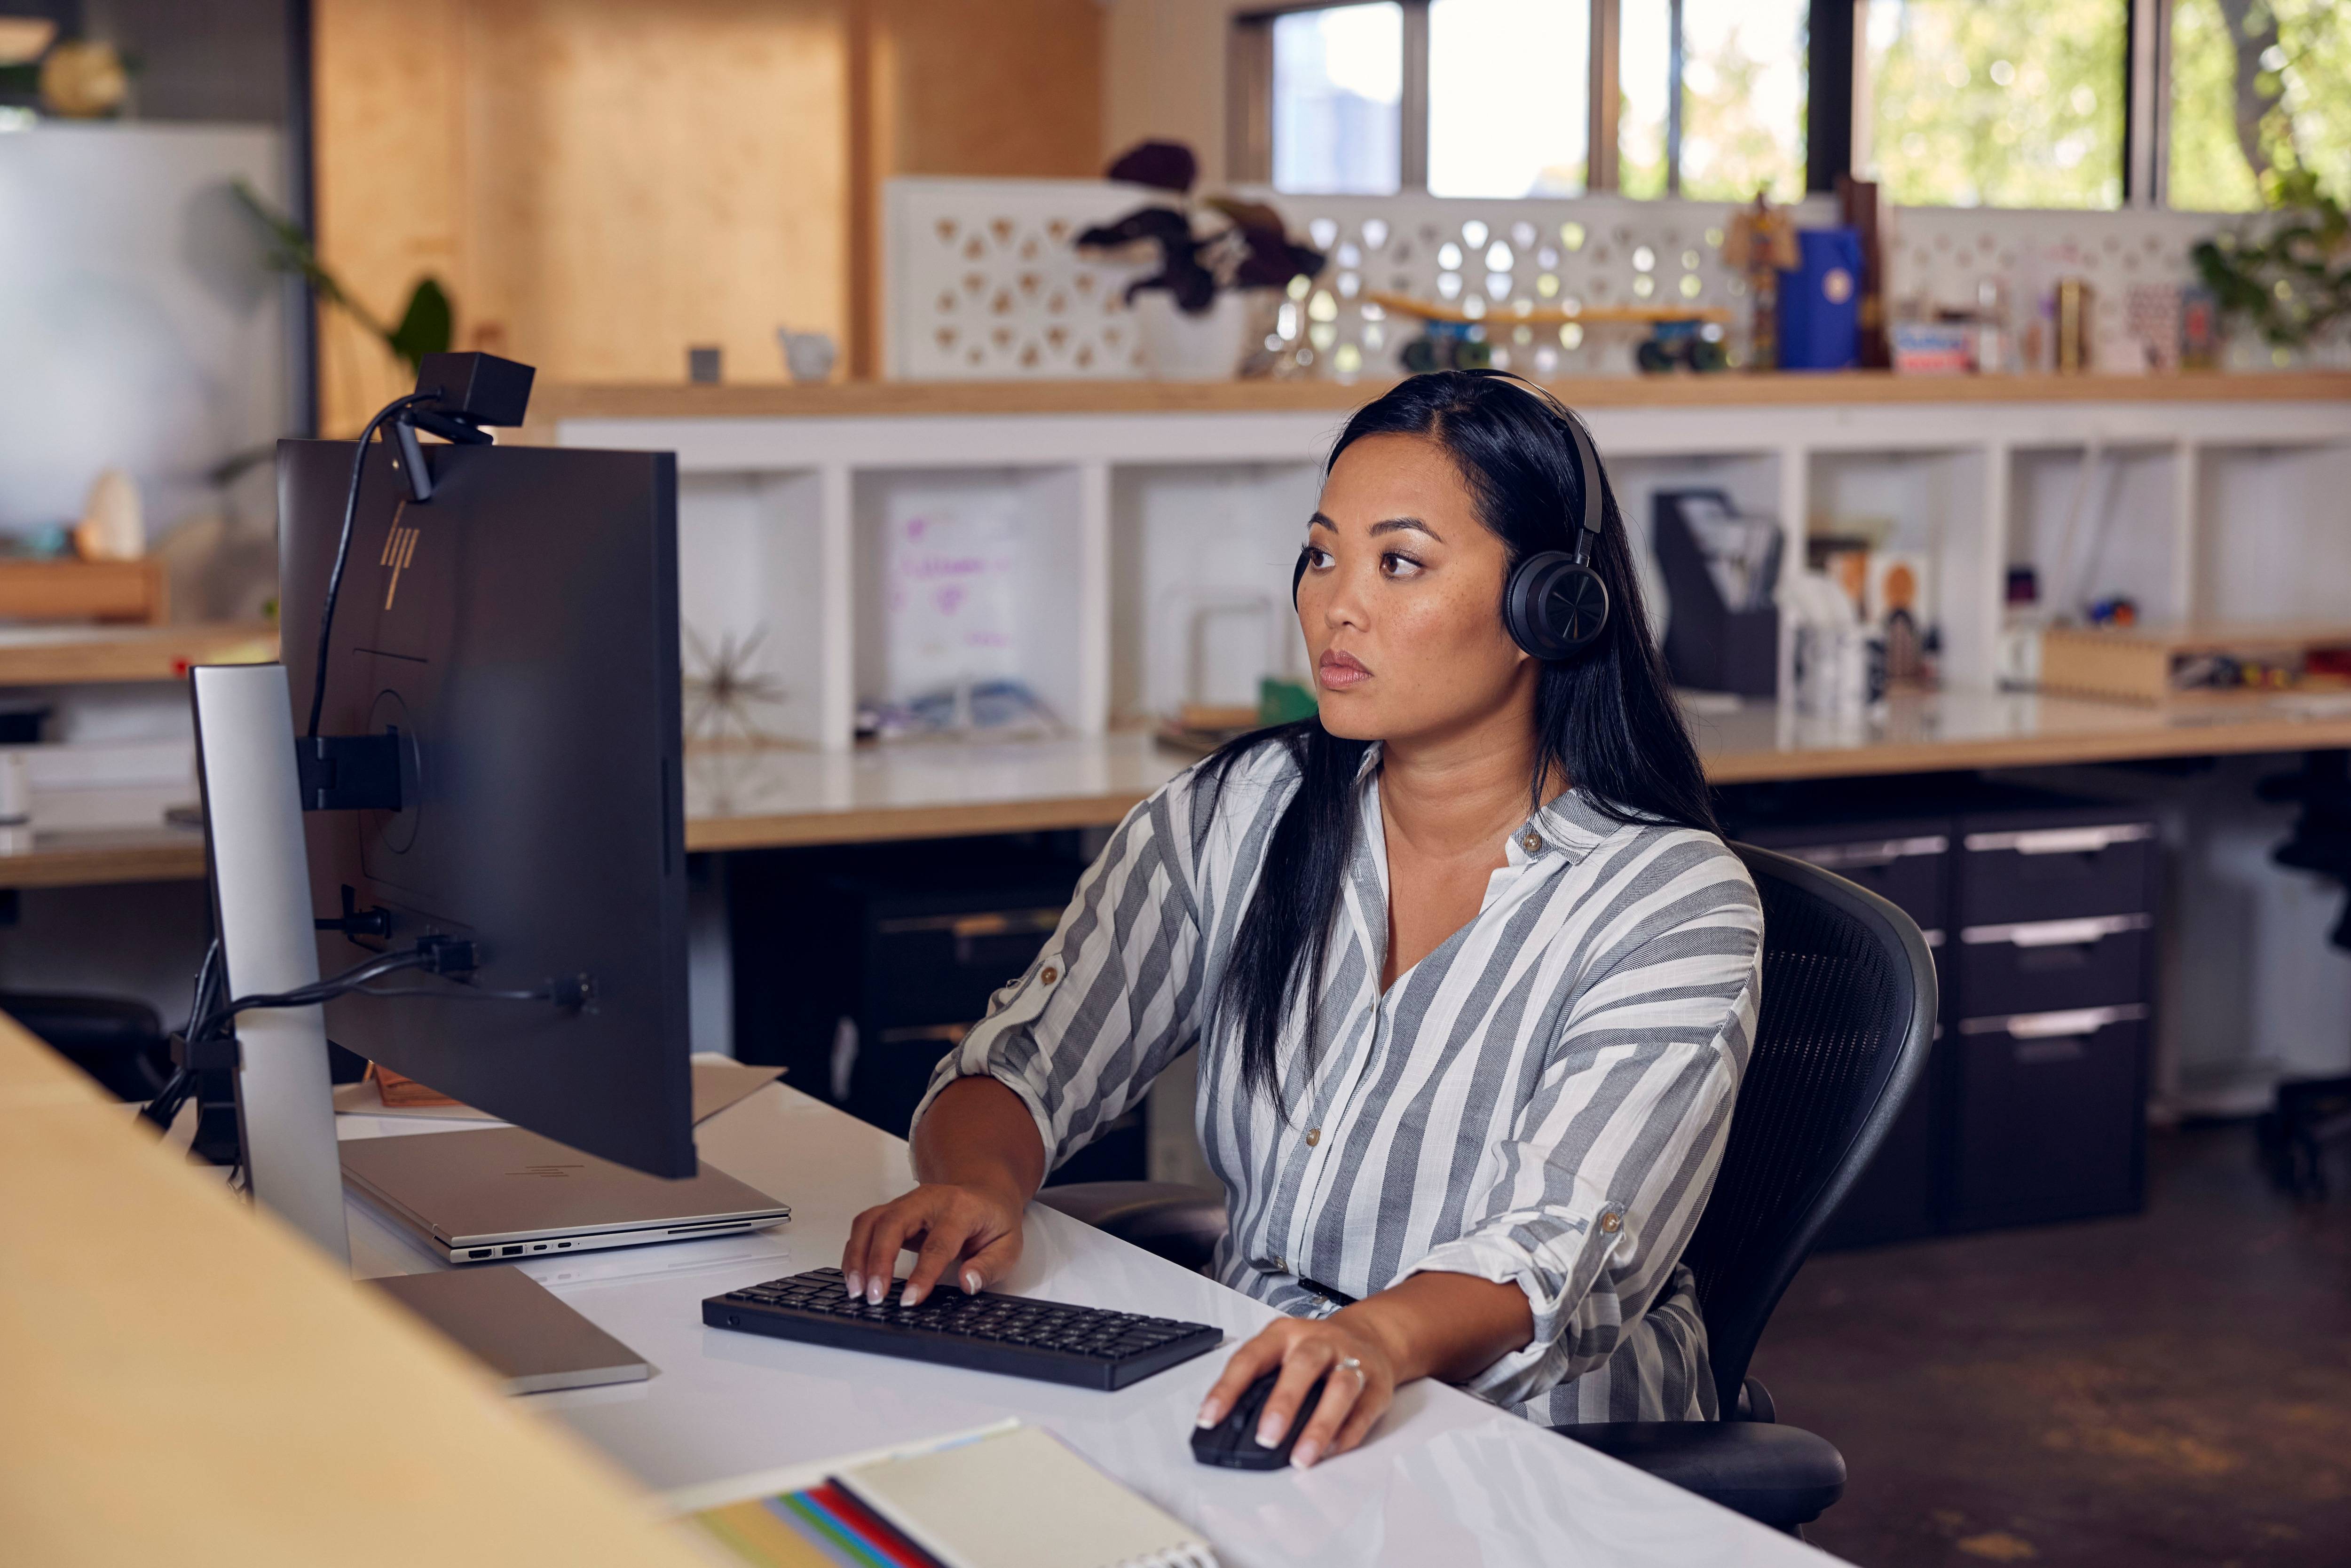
[1050, 975]
[1612, 1223]
[1313, 1136]
[1531, 842]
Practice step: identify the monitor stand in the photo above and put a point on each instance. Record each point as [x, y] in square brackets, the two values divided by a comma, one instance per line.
[261, 892]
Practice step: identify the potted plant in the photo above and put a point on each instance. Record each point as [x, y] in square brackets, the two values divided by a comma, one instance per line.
[1193, 313]
[2289, 274]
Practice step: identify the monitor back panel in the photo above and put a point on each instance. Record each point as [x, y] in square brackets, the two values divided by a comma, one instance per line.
[519, 633]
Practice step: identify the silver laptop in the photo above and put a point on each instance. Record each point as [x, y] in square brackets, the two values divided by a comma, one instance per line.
[474, 1196]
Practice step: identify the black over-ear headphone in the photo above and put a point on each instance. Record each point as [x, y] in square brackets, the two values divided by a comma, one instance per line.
[1554, 604]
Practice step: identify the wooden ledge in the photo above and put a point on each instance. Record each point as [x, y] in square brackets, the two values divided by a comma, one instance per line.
[867, 400]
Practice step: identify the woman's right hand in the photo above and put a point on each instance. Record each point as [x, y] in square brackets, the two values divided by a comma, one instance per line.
[972, 1229]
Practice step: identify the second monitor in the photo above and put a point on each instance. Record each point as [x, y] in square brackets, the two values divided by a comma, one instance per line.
[517, 635]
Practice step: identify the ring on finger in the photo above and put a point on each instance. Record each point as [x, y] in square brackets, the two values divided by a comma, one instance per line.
[1350, 1363]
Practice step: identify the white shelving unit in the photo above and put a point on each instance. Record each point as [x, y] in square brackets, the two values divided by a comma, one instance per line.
[1129, 559]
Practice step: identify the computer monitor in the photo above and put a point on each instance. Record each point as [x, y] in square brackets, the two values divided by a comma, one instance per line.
[519, 633]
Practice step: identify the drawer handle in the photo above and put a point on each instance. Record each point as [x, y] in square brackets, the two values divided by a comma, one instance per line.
[2067, 1021]
[1872, 852]
[927, 1034]
[965, 927]
[2054, 933]
[2062, 840]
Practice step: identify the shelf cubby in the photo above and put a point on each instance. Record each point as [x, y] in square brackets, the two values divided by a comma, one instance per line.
[2099, 521]
[750, 551]
[1200, 563]
[977, 574]
[1929, 503]
[2271, 541]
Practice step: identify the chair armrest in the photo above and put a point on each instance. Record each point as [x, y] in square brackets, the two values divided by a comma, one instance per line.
[1779, 1476]
[1182, 1224]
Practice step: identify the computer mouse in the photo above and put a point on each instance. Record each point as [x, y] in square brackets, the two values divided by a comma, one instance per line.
[1232, 1442]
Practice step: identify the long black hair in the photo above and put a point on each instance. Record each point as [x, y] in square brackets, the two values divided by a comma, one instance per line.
[1605, 720]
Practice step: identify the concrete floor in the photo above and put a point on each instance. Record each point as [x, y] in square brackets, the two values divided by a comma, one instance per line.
[2170, 1388]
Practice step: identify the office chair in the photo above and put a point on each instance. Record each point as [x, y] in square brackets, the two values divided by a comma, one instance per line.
[119, 1040]
[2312, 1113]
[1847, 1019]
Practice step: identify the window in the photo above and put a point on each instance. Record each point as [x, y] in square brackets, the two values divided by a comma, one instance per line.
[2257, 87]
[1338, 96]
[1507, 96]
[1996, 103]
[2006, 103]
[1721, 116]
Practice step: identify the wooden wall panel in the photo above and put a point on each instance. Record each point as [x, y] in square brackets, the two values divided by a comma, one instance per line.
[1011, 88]
[599, 183]
[391, 172]
[603, 183]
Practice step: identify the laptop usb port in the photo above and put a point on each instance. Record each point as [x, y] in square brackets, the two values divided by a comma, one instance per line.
[508, 1251]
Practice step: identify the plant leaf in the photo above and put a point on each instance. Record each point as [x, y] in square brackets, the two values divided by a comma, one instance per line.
[1164, 165]
[426, 326]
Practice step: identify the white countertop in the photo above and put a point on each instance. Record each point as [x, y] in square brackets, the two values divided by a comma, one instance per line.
[1445, 1477]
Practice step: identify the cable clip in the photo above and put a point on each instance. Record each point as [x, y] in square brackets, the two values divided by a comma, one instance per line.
[216, 1055]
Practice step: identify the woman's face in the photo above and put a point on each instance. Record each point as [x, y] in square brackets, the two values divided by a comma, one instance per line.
[1401, 602]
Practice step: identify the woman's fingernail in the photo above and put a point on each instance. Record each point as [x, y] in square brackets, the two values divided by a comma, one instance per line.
[874, 1292]
[854, 1282]
[1305, 1454]
[1209, 1414]
[1268, 1431]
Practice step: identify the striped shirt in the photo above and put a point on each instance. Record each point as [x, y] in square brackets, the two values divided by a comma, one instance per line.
[1542, 1101]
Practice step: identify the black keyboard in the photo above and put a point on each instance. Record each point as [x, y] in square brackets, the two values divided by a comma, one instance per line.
[1091, 1347]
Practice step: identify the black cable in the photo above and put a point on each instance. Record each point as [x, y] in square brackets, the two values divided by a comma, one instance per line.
[353, 982]
[343, 547]
[164, 1109]
[324, 990]
[197, 1000]
[457, 993]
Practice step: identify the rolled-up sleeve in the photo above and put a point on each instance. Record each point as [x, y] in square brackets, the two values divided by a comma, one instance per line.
[1598, 1191]
[1113, 997]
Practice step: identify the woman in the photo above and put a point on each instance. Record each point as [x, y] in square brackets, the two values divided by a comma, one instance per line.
[1471, 976]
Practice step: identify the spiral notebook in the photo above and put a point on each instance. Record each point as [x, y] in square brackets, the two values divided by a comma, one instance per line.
[1008, 1496]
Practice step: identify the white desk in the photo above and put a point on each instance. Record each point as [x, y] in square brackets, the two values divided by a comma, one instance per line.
[1446, 1477]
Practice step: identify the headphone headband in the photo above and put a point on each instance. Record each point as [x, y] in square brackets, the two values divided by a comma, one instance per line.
[1587, 460]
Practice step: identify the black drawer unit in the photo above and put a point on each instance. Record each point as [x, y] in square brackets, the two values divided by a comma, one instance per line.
[2038, 966]
[1906, 862]
[2049, 1119]
[861, 972]
[2034, 905]
[940, 965]
[2018, 866]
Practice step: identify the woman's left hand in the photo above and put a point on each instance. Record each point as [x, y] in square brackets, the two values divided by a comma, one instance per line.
[1361, 1369]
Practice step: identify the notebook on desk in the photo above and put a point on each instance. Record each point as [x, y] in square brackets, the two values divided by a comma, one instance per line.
[1008, 1496]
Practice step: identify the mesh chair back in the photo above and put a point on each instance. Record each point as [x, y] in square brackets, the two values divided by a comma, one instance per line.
[1847, 1017]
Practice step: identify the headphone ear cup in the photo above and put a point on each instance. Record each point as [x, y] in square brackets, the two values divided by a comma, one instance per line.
[1555, 607]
